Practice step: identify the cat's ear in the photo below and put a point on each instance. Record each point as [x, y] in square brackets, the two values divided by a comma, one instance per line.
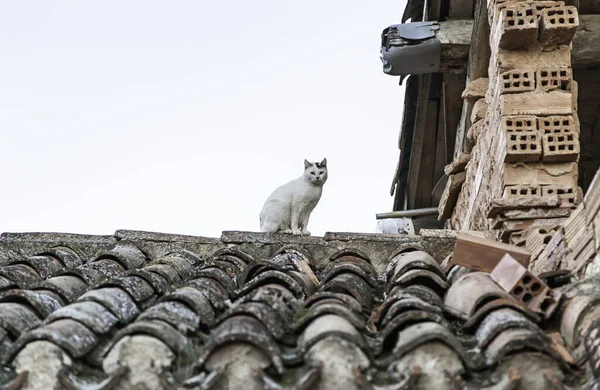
[306, 164]
[324, 163]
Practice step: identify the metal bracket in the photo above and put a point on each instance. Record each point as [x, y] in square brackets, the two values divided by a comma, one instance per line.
[410, 48]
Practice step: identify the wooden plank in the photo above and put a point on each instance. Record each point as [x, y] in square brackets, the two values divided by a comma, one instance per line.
[414, 167]
[440, 148]
[482, 254]
[585, 43]
[479, 51]
[585, 6]
[444, 112]
[589, 7]
[405, 140]
[454, 84]
[438, 190]
[455, 37]
[427, 156]
[460, 9]
[435, 7]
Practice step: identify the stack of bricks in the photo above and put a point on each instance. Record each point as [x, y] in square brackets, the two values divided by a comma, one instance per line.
[576, 247]
[526, 144]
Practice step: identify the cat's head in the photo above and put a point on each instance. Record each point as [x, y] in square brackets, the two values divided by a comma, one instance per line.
[316, 173]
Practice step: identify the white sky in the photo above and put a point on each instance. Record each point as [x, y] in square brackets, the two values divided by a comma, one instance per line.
[183, 116]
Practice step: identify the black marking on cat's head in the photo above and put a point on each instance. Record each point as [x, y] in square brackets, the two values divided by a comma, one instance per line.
[322, 164]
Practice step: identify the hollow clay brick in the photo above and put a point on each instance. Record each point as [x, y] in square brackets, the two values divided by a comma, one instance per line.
[515, 81]
[567, 195]
[523, 190]
[522, 139]
[558, 25]
[517, 27]
[514, 278]
[552, 79]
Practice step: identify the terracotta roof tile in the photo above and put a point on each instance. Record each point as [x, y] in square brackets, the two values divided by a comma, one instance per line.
[165, 314]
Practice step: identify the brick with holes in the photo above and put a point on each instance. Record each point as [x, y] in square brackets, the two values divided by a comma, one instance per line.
[560, 140]
[539, 6]
[592, 199]
[521, 139]
[556, 250]
[495, 8]
[557, 124]
[596, 226]
[546, 303]
[552, 256]
[518, 238]
[554, 79]
[517, 27]
[581, 251]
[515, 81]
[526, 146]
[522, 190]
[561, 146]
[514, 278]
[575, 224]
[567, 195]
[558, 25]
[538, 238]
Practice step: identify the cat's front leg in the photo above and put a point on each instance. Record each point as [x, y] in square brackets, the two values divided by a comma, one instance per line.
[304, 224]
[294, 220]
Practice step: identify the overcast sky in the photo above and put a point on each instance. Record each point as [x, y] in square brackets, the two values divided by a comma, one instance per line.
[183, 116]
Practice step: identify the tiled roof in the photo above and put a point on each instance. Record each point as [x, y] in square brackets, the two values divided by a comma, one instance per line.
[250, 311]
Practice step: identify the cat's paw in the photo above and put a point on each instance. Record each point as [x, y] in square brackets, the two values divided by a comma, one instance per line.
[305, 233]
[286, 231]
[297, 232]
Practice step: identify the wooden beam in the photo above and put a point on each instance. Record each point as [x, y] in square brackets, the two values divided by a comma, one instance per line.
[585, 43]
[425, 179]
[585, 6]
[460, 9]
[411, 97]
[453, 86]
[440, 145]
[414, 167]
[481, 254]
[457, 36]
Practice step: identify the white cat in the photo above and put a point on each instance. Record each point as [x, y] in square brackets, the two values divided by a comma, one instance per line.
[288, 208]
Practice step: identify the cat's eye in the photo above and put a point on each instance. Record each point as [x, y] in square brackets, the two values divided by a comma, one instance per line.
[312, 173]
